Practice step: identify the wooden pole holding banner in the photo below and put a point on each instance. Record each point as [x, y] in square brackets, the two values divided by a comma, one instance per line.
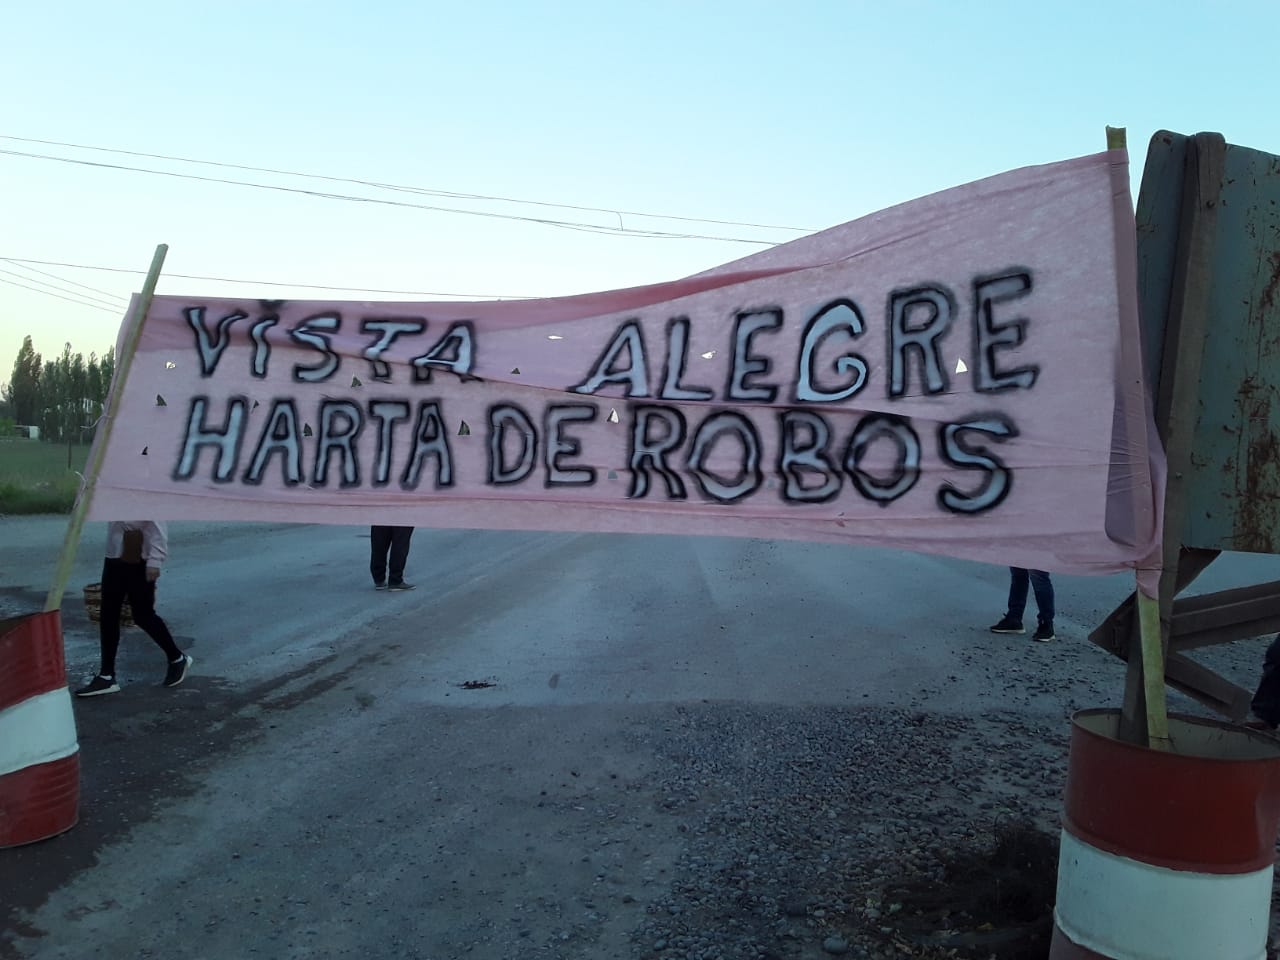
[1151, 635]
[1180, 313]
[1152, 639]
[76, 524]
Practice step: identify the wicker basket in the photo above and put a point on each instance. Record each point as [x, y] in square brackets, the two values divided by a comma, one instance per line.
[93, 606]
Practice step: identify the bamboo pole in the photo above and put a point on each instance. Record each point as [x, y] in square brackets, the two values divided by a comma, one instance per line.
[1153, 672]
[76, 524]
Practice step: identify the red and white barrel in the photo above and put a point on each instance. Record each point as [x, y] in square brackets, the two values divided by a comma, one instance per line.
[39, 753]
[1167, 855]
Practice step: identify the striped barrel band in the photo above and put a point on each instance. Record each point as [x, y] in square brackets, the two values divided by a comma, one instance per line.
[1122, 908]
[1184, 812]
[39, 801]
[31, 652]
[37, 730]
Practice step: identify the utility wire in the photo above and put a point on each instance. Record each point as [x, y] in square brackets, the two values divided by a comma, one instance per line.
[420, 190]
[564, 224]
[273, 283]
[82, 303]
[64, 280]
[57, 289]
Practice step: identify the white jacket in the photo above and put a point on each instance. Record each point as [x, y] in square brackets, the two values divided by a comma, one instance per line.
[155, 540]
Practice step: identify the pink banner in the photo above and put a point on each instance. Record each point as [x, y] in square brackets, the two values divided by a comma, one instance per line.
[956, 375]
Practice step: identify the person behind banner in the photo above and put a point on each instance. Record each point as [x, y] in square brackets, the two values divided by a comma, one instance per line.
[1265, 706]
[389, 549]
[1011, 622]
[136, 550]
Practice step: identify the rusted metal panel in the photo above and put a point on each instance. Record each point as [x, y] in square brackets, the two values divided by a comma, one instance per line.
[1203, 620]
[1158, 214]
[1208, 220]
[1206, 687]
[1233, 485]
[1213, 618]
[1184, 291]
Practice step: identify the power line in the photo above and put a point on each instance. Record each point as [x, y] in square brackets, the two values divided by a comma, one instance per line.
[273, 283]
[64, 280]
[73, 293]
[421, 190]
[82, 303]
[564, 224]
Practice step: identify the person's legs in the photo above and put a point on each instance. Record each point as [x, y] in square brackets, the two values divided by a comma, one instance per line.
[379, 543]
[1043, 588]
[142, 598]
[1018, 581]
[114, 589]
[400, 537]
[1266, 699]
[1011, 622]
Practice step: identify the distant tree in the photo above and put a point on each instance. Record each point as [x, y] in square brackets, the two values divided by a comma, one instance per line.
[69, 396]
[93, 384]
[107, 371]
[48, 416]
[24, 384]
[63, 397]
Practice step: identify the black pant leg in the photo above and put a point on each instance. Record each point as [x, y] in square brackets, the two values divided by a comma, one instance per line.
[379, 544]
[114, 590]
[142, 598]
[400, 537]
[1266, 699]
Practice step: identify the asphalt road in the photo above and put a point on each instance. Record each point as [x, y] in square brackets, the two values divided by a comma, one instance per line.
[457, 770]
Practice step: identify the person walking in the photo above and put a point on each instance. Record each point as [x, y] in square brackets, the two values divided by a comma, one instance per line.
[136, 550]
[1011, 622]
[389, 549]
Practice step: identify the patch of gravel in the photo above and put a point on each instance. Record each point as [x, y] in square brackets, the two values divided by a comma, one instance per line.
[803, 822]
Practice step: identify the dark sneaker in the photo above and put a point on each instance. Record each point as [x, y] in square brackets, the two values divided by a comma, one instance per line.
[1044, 632]
[98, 686]
[380, 585]
[399, 587]
[1008, 625]
[178, 671]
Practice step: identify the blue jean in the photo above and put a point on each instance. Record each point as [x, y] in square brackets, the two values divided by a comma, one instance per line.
[1043, 587]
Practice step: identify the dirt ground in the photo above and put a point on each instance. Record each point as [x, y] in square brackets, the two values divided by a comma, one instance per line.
[563, 746]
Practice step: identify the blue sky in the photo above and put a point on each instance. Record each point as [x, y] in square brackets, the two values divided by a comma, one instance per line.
[797, 114]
